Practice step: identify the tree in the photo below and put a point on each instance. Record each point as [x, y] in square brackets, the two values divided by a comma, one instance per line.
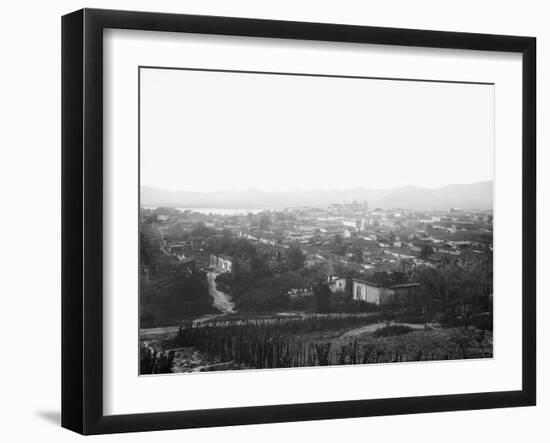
[322, 294]
[426, 252]
[357, 254]
[259, 267]
[296, 259]
[398, 277]
[265, 221]
[406, 268]
[201, 230]
[165, 210]
[176, 232]
[457, 291]
[235, 268]
[282, 217]
[382, 278]
[432, 287]
[341, 269]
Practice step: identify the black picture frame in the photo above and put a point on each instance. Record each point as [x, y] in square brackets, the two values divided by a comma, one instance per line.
[82, 220]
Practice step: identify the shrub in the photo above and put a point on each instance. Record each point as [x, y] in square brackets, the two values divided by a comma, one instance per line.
[344, 303]
[388, 331]
[413, 318]
[483, 320]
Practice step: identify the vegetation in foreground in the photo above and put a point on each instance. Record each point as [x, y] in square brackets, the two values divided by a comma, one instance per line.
[327, 341]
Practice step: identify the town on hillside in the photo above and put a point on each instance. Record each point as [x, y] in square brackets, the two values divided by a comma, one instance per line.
[313, 286]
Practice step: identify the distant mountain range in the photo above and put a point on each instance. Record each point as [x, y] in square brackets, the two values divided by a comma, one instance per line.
[467, 196]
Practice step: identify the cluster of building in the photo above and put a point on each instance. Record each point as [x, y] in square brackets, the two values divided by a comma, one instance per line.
[385, 237]
[348, 234]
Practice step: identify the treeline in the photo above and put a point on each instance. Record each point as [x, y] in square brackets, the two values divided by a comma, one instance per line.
[453, 291]
[166, 300]
[457, 291]
[262, 277]
[169, 291]
[258, 261]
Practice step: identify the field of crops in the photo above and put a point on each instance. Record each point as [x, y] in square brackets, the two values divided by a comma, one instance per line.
[324, 341]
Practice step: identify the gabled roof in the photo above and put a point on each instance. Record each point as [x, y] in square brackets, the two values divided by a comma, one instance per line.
[365, 282]
[225, 257]
[405, 285]
[377, 285]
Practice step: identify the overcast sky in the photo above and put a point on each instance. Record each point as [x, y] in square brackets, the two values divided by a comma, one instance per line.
[209, 131]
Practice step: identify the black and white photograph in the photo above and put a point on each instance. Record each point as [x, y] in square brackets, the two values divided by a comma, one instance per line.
[294, 219]
[280, 221]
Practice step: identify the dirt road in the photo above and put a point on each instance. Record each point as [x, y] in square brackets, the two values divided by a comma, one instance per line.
[373, 327]
[222, 301]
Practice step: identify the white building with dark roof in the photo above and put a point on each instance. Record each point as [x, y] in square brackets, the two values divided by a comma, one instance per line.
[222, 263]
[381, 295]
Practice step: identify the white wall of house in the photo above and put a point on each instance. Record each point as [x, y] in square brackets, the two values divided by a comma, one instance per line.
[366, 292]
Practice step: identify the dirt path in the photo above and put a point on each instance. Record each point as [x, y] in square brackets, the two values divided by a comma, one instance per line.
[157, 333]
[222, 320]
[222, 301]
[373, 327]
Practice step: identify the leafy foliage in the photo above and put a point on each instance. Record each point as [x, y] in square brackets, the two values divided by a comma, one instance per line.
[392, 330]
[426, 252]
[459, 290]
[296, 259]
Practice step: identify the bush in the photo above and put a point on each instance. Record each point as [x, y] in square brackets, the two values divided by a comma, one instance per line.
[343, 303]
[413, 318]
[303, 303]
[483, 320]
[480, 320]
[389, 331]
[173, 312]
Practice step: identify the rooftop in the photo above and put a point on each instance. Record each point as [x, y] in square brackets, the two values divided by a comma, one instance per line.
[405, 285]
[225, 257]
